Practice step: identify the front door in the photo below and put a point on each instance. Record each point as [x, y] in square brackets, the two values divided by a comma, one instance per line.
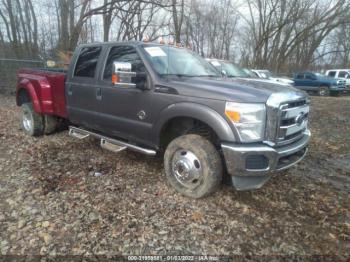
[126, 111]
[310, 82]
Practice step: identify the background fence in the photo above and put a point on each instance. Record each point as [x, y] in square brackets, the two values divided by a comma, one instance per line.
[8, 70]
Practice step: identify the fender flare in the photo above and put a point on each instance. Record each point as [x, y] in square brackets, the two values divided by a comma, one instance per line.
[26, 85]
[197, 111]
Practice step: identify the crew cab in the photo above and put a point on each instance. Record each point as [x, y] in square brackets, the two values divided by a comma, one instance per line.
[162, 99]
[318, 83]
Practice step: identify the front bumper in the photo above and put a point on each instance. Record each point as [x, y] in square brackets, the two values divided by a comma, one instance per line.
[338, 88]
[250, 165]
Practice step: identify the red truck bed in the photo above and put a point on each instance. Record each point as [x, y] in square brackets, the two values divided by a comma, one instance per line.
[45, 88]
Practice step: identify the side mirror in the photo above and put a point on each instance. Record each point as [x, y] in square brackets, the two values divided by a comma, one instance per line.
[223, 72]
[122, 74]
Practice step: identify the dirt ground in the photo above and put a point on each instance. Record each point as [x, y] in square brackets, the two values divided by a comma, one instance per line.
[51, 202]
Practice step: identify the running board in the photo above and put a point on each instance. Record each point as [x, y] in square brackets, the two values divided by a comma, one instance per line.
[77, 134]
[109, 143]
[111, 147]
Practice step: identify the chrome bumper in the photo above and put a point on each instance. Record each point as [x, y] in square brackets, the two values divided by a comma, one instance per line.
[257, 161]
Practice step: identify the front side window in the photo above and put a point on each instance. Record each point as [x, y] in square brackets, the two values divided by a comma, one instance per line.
[310, 77]
[123, 54]
[87, 62]
[167, 60]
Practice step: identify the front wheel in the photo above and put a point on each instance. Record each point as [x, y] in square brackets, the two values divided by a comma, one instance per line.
[323, 91]
[193, 166]
[32, 122]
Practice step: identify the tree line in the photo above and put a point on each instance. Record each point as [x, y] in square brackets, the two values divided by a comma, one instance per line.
[278, 35]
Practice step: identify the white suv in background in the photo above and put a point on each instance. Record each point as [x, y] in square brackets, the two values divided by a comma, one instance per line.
[340, 73]
[269, 75]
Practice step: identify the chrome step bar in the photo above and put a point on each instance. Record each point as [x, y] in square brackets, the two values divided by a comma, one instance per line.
[109, 143]
[111, 147]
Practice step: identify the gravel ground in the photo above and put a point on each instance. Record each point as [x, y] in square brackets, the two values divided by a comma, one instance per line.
[52, 202]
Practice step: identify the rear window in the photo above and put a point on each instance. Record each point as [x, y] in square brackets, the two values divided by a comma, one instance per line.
[331, 74]
[87, 62]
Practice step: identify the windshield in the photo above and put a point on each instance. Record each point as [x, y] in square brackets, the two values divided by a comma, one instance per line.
[232, 70]
[167, 60]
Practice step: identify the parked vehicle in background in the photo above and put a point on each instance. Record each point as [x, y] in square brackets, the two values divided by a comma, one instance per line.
[249, 72]
[228, 69]
[154, 98]
[318, 83]
[269, 75]
[340, 74]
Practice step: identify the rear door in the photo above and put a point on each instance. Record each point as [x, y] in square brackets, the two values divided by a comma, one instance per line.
[81, 87]
[126, 111]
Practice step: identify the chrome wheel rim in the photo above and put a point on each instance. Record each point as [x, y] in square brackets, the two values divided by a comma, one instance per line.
[27, 121]
[187, 168]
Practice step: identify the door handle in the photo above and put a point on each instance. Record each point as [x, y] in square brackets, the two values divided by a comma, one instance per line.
[98, 93]
[70, 90]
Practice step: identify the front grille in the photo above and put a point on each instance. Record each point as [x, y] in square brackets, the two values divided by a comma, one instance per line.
[292, 122]
[341, 82]
[286, 118]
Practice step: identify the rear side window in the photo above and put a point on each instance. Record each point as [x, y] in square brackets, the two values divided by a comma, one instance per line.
[331, 74]
[300, 76]
[123, 54]
[87, 62]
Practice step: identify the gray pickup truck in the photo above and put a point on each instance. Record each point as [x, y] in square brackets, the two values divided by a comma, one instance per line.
[161, 99]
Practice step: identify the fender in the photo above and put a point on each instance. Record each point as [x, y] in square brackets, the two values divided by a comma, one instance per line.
[25, 84]
[197, 111]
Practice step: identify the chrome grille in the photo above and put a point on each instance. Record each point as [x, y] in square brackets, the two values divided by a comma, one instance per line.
[286, 120]
[292, 122]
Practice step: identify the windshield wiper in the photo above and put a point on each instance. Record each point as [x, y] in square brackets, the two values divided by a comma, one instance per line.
[184, 75]
[178, 75]
[205, 76]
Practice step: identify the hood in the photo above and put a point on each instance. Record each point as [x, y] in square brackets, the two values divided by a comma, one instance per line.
[248, 90]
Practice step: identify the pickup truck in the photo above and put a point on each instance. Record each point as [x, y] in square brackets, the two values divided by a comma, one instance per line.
[266, 74]
[343, 74]
[321, 84]
[158, 99]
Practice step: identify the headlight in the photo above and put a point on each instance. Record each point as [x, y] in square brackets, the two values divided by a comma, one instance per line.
[249, 120]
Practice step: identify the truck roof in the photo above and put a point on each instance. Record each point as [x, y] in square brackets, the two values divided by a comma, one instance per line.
[133, 43]
[338, 70]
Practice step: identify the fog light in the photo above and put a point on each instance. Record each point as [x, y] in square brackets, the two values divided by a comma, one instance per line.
[256, 162]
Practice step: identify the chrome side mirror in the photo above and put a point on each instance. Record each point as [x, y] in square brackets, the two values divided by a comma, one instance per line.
[122, 74]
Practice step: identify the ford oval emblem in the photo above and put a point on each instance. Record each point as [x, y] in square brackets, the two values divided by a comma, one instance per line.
[299, 119]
